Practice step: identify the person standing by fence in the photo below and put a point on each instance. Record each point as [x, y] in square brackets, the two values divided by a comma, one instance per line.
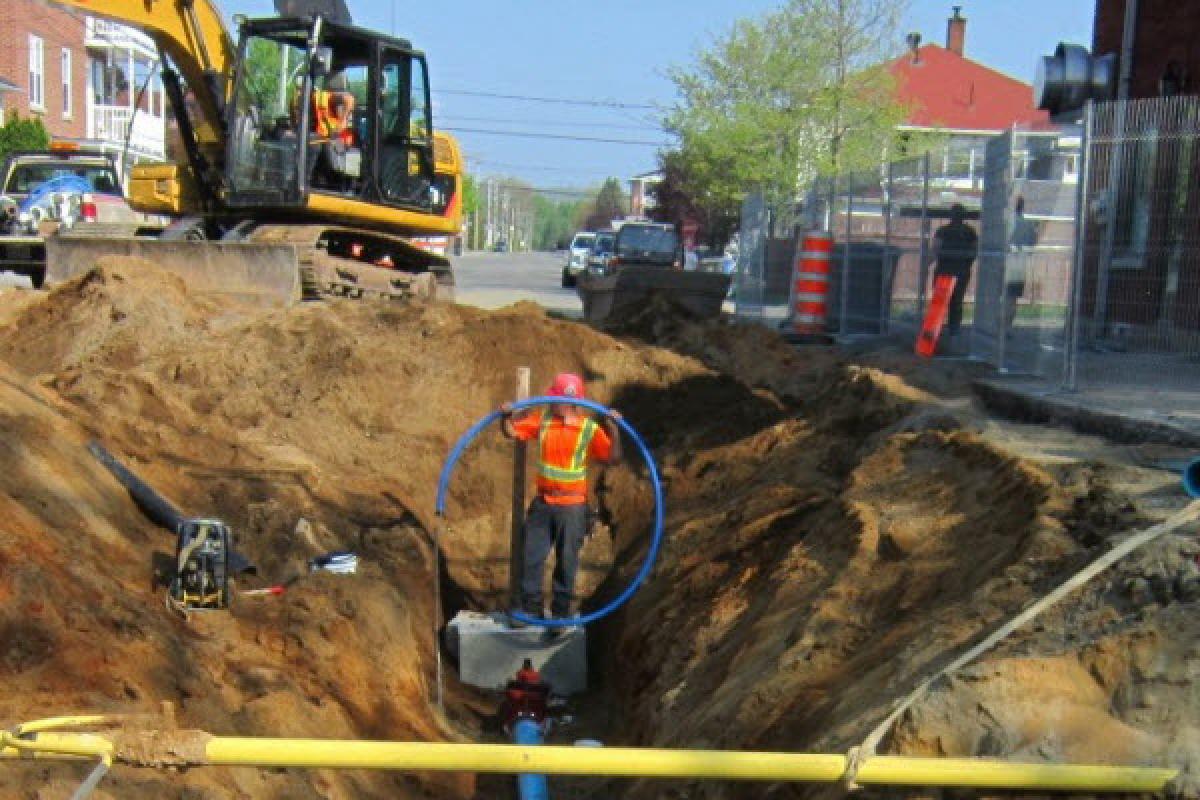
[955, 246]
[1016, 266]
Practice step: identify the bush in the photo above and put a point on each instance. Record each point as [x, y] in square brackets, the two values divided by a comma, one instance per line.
[22, 134]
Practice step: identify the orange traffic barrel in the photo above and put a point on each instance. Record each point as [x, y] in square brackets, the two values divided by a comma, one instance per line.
[810, 282]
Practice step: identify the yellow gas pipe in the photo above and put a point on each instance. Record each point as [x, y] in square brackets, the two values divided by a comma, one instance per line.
[196, 748]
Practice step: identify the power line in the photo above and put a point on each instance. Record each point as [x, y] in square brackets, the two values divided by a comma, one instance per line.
[557, 123]
[532, 135]
[542, 168]
[560, 100]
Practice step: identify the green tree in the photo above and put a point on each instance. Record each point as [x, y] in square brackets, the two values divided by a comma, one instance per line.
[781, 98]
[679, 197]
[555, 221]
[610, 204]
[470, 209]
[22, 134]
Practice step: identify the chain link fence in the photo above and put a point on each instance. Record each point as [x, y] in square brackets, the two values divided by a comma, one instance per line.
[1087, 272]
[1137, 292]
[1026, 254]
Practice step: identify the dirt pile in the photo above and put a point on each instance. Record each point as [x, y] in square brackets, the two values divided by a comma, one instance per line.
[834, 536]
[821, 568]
[317, 428]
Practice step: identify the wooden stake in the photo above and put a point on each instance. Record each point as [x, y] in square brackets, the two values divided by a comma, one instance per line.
[516, 562]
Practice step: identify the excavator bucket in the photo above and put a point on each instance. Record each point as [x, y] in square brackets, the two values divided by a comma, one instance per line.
[603, 296]
[260, 274]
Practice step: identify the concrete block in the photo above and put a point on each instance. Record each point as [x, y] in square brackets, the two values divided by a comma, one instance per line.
[490, 653]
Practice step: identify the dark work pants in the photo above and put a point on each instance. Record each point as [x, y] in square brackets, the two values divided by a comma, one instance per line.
[562, 528]
[955, 312]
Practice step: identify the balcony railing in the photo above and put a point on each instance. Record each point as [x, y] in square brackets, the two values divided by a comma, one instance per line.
[101, 33]
[112, 124]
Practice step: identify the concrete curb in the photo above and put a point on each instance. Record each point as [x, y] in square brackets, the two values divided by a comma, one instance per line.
[1073, 412]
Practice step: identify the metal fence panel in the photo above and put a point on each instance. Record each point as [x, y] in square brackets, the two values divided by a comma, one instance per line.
[1139, 298]
[750, 278]
[1027, 226]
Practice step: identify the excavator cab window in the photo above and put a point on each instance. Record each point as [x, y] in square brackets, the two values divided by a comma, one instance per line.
[265, 139]
[406, 142]
[330, 110]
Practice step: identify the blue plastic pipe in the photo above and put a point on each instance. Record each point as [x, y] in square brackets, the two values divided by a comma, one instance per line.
[530, 786]
[1191, 478]
[655, 541]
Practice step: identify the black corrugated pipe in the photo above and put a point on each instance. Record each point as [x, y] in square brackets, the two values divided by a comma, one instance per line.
[157, 508]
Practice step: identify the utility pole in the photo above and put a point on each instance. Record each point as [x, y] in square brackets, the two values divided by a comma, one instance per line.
[487, 238]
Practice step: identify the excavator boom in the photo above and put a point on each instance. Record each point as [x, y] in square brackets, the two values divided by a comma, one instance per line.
[193, 35]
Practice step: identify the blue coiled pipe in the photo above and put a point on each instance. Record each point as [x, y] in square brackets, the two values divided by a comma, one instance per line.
[1191, 478]
[655, 541]
[530, 786]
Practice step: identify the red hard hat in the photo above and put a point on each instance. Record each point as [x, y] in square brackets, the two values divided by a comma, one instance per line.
[566, 384]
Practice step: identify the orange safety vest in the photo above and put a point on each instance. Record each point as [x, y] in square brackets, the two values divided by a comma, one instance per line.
[331, 112]
[564, 479]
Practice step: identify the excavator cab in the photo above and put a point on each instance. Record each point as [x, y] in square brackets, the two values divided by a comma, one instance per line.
[332, 110]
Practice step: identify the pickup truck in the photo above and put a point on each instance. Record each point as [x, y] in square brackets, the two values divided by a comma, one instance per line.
[44, 190]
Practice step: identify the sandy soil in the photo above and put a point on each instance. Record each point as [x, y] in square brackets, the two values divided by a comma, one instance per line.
[836, 531]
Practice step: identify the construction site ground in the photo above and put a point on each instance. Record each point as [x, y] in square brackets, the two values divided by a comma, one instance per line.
[838, 527]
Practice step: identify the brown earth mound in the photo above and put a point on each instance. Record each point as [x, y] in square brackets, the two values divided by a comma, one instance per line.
[833, 537]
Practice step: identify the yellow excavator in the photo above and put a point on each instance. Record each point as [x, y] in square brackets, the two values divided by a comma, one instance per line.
[311, 159]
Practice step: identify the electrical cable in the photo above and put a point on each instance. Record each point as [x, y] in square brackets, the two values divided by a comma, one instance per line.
[554, 123]
[558, 100]
[655, 540]
[567, 137]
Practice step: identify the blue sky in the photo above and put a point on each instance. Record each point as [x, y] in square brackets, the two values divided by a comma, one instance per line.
[618, 52]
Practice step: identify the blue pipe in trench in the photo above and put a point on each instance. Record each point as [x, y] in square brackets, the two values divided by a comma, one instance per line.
[530, 786]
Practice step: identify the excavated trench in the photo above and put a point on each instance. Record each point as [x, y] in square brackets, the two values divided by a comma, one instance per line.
[834, 536]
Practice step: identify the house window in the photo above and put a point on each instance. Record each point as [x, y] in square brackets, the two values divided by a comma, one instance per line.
[66, 83]
[37, 94]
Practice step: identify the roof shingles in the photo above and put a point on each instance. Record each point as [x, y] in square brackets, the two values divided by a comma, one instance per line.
[946, 90]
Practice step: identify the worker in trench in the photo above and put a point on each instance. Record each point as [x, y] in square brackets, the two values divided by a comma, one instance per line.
[568, 440]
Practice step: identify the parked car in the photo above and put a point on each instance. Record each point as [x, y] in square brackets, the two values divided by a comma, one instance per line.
[42, 191]
[646, 243]
[577, 256]
[601, 252]
[500, 246]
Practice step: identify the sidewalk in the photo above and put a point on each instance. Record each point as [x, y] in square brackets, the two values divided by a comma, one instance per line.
[1127, 397]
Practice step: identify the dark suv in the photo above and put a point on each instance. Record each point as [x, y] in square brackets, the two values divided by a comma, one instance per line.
[646, 243]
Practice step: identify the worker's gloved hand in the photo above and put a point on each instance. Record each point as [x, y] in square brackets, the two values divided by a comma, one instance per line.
[506, 409]
[614, 415]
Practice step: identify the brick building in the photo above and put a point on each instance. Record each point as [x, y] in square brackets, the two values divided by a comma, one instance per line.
[89, 81]
[1142, 273]
[42, 53]
[1166, 44]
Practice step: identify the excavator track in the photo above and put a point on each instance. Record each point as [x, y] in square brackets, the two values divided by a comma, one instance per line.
[273, 264]
[349, 262]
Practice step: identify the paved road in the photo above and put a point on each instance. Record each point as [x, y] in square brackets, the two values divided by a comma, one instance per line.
[493, 280]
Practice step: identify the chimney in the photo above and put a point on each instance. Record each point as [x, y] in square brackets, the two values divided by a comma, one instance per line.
[914, 47]
[956, 32]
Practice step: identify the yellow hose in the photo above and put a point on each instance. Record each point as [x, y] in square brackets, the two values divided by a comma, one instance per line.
[86, 745]
[57, 723]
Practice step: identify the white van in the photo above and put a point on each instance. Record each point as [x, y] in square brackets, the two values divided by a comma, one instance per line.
[577, 257]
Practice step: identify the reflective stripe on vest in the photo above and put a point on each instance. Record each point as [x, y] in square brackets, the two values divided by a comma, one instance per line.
[577, 469]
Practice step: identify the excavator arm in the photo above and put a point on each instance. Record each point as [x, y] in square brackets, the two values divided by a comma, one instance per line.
[193, 35]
